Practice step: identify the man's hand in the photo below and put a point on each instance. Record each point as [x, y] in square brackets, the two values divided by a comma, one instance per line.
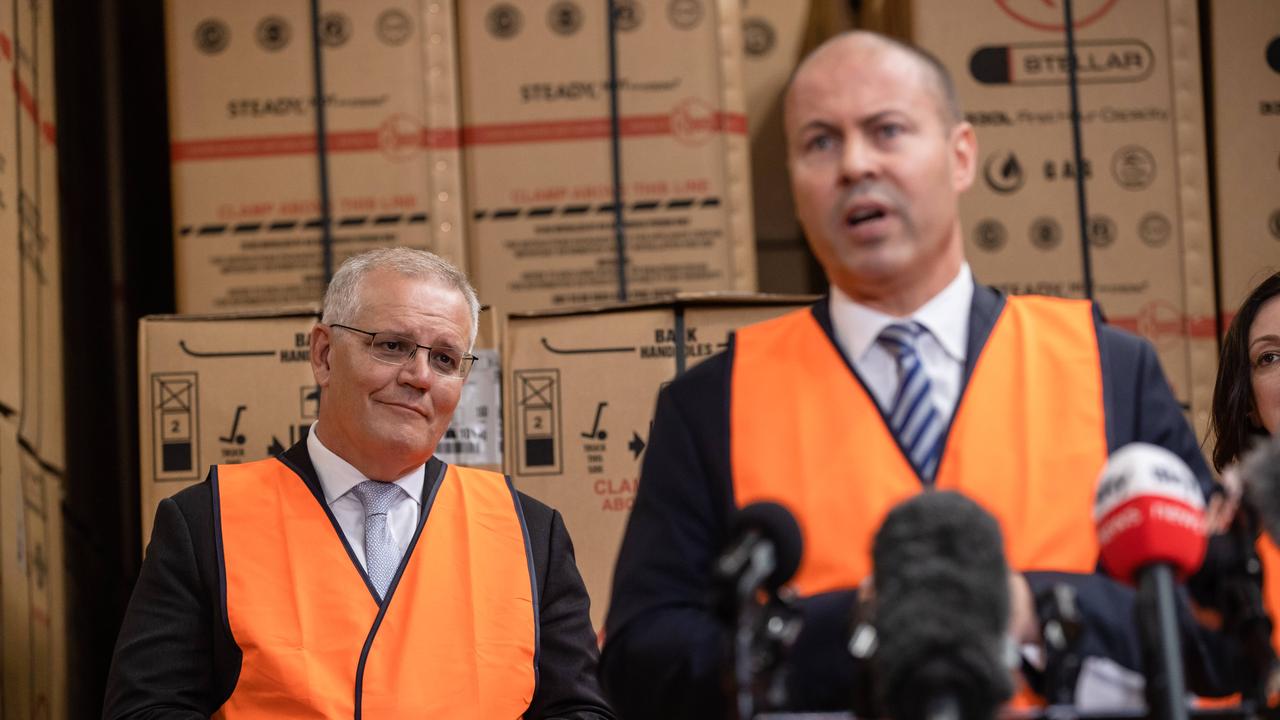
[1024, 626]
[1224, 504]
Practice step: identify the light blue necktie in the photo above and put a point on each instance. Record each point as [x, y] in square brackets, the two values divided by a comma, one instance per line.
[381, 555]
[913, 416]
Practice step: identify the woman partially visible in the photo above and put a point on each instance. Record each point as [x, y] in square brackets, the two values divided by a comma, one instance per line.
[1246, 410]
[1246, 398]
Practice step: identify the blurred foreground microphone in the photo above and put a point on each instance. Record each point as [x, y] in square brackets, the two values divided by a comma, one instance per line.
[1245, 612]
[764, 550]
[1260, 471]
[941, 610]
[1149, 512]
[763, 553]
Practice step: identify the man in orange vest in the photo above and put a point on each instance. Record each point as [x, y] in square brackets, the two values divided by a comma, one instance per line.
[355, 574]
[909, 376]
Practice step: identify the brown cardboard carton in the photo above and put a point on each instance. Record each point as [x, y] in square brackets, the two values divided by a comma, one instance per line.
[33, 631]
[225, 389]
[1144, 158]
[246, 182]
[29, 228]
[536, 114]
[218, 389]
[580, 393]
[773, 36]
[10, 266]
[1246, 143]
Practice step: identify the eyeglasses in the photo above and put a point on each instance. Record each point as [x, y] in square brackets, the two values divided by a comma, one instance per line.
[397, 350]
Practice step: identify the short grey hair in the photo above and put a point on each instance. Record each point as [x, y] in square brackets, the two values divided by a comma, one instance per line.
[342, 298]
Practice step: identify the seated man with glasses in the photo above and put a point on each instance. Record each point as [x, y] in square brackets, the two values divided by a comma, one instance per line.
[355, 574]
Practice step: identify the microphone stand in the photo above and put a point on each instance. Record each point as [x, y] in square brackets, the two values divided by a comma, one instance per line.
[746, 620]
[1157, 615]
[762, 635]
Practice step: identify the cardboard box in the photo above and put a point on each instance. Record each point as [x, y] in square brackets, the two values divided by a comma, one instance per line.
[31, 383]
[246, 178]
[32, 584]
[10, 264]
[580, 394]
[1143, 143]
[225, 389]
[536, 114]
[775, 35]
[1246, 143]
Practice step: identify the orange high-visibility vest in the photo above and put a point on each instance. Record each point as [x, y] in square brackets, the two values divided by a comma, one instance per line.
[1027, 441]
[457, 636]
[1269, 554]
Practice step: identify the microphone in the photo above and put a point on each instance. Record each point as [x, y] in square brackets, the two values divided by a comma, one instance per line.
[763, 553]
[1246, 615]
[765, 548]
[941, 610]
[1149, 514]
[1260, 472]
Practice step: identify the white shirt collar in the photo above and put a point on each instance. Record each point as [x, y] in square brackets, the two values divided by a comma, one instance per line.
[337, 476]
[945, 315]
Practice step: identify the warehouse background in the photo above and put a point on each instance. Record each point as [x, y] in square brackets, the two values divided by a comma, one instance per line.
[159, 160]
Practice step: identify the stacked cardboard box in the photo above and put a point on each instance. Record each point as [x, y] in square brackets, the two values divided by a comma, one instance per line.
[774, 37]
[246, 174]
[32, 444]
[1246, 129]
[33, 615]
[236, 388]
[1144, 161]
[580, 390]
[538, 153]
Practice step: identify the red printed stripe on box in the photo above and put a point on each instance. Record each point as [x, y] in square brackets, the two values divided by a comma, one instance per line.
[685, 123]
[382, 139]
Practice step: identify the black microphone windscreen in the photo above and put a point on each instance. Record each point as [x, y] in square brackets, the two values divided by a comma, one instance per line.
[942, 607]
[778, 525]
[1260, 472]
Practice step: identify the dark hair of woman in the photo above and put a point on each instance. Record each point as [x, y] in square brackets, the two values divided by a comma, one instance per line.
[1233, 422]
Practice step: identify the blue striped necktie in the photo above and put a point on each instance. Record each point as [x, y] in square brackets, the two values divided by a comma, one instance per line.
[381, 555]
[913, 416]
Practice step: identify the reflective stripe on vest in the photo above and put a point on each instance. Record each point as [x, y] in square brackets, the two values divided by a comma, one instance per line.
[457, 637]
[1027, 442]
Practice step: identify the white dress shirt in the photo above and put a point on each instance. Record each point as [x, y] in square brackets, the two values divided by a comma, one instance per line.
[942, 349]
[337, 478]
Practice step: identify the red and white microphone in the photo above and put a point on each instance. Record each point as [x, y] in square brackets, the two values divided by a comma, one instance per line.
[1149, 509]
[1149, 513]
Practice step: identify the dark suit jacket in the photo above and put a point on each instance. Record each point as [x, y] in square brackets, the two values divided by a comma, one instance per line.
[175, 657]
[665, 650]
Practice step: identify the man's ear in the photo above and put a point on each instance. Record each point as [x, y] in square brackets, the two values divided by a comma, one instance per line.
[964, 155]
[321, 345]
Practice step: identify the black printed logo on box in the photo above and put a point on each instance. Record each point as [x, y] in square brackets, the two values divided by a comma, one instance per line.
[1273, 53]
[758, 36]
[564, 18]
[273, 33]
[1097, 61]
[1003, 172]
[685, 14]
[1134, 167]
[335, 29]
[504, 21]
[1154, 229]
[212, 36]
[1046, 233]
[627, 15]
[1101, 230]
[990, 235]
[394, 27]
